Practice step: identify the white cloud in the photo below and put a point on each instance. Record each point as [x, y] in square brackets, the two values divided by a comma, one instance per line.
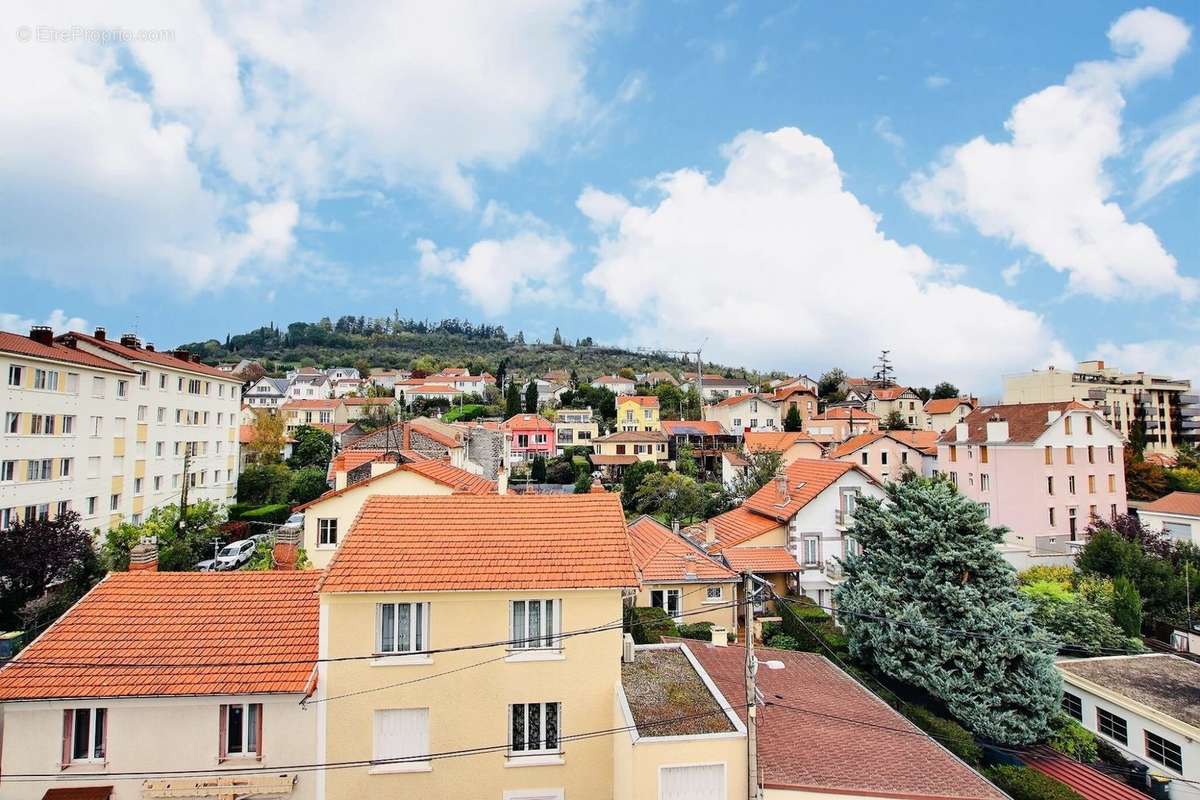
[781, 266]
[1046, 189]
[936, 81]
[58, 321]
[884, 130]
[1174, 155]
[186, 159]
[1012, 272]
[1158, 356]
[602, 208]
[494, 274]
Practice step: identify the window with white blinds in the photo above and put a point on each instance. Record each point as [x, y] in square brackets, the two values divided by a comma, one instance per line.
[696, 782]
[401, 740]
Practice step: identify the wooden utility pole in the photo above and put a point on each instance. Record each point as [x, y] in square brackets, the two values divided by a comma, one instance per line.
[187, 460]
[752, 790]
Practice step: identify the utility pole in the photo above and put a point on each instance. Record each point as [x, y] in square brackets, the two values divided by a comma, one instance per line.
[752, 791]
[187, 461]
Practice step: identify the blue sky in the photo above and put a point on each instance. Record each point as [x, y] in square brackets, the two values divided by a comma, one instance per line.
[982, 189]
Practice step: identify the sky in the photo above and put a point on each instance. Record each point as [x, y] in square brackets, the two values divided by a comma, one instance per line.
[979, 188]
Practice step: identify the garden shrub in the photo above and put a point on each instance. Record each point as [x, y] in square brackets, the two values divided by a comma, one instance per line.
[276, 513]
[781, 641]
[649, 625]
[1023, 783]
[953, 737]
[697, 630]
[1072, 739]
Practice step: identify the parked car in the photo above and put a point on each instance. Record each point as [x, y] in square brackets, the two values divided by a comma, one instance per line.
[10, 644]
[235, 554]
[260, 538]
[295, 521]
[207, 565]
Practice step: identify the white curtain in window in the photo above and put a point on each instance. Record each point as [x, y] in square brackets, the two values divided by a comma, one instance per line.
[704, 782]
[401, 733]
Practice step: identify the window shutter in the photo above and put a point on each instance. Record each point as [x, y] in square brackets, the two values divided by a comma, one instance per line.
[222, 734]
[68, 731]
[259, 739]
[104, 737]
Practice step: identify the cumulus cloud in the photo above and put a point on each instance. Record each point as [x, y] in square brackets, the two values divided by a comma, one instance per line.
[1046, 188]
[188, 158]
[781, 266]
[58, 321]
[884, 130]
[1174, 155]
[1159, 356]
[494, 274]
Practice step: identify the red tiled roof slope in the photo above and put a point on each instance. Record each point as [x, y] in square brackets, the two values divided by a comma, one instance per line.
[641, 399]
[736, 526]
[663, 556]
[945, 405]
[774, 440]
[1026, 421]
[806, 478]
[152, 357]
[24, 346]
[188, 619]
[761, 559]
[470, 542]
[1187, 503]
[1088, 783]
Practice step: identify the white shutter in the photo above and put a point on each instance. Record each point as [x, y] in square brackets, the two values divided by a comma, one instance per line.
[401, 733]
[703, 782]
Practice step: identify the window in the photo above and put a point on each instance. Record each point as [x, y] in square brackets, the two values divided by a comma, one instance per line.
[15, 375]
[1112, 726]
[1072, 706]
[534, 728]
[162, 380]
[1112, 482]
[1088, 424]
[1165, 752]
[692, 782]
[93, 466]
[1110, 454]
[903, 456]
[1049, 484]
[1091, 484]
[241, 730]
[985, 482]
[73, 382]
[987, 510]
[1070, 455]
[142, 378]
[36, 423]
[84, 734]
[158, 449]
[536, 624]
[8, 470]
[64, 467]
[983, 454]
[7, 518]
[954, 478]
[865, 457]
[883, 458]
[1049, 454]
[97, 426]
[1051, 517]
[668, 600]
[953, 453]
[68, 424]
[1067, 425]
[141, 413]
[401, 740]
[1091, 450]
[138, 485]
[11, 422]
[39, 379]
[812, 549]
[401, 627]
[714, 594]
[1070, 483]
[114, 502]
[97, 386]
[158, 483]
[327, 533]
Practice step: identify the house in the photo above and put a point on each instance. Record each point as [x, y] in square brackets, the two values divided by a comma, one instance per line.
[309, 384]
[735, 467]
[799, 397]
[574, 427]
[331, 411]
[328, 518]
[477, 448]
[637, 413]
[747, 412]
[794, 530]
[943, 414]
[655, 377]
[680, 578]
[380, 407]
[463, 380]
[269, 393]
[343, 374]
[789, 444]
[887, 455]
[530, 436]
[883, 401]
[420, 389]
[615, 384]
[343, 387]
[1177, 515]
[614, 452]
[99, 720]
[800, 381]
[839, 423]
[715, 387]
[548, 392]
[418, 578]
[387, 378]
[1146, 706]
[1044, 471]
[707, 439]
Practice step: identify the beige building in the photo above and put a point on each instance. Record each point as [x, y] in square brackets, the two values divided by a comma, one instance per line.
[883, 401]
[1167, 406]
[574, 427]
[943, 414]
[330, 411]
[747, 412]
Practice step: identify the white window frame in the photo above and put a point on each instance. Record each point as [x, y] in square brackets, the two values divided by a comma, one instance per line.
[96, 734]
[418, 632]
[250, 726]
[540, 752]
[16, 375]
[324, 525]
[546, 642]
[718, 598]
[664, 598]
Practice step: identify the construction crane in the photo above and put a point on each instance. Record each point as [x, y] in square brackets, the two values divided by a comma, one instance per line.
[699, 363]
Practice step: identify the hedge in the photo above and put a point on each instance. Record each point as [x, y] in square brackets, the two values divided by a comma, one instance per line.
[696, 630]
[1023, 783]
[649, 625]
[277, 513]
[810, 626]
[953, 737]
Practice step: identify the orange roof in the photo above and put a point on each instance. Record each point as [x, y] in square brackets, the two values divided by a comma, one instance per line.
[435, 470]
[602, 460]
[925, 441]
[946, 405]
[734, 527]
[845, 412]
[316, 403]
[24, 346]
[664, 557]
[785, 392]
[806, 478]
[436, 388]
[527, 422]
[854, 443]
[179, 623]
[151, 356]
[469, 542]
[761, 559]
[612, 379]
[734, 400]
[1026, 421]
[1185, 503]
[890, 392]
[692, 427]
[640, 399]
[778, 441]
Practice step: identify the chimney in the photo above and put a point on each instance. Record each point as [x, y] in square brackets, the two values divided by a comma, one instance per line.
[150, 346]
[675, 527]
[129, 340]
[997, 429]
[182, 355]
[710, 534]
[100, 334]
[501, 480]
[144, 555]
[781, 484]
[720, 636]
[287, 548]
[42, 334]
[627, 649]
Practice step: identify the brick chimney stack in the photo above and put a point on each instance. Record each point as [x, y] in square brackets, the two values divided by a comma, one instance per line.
[144, 556]
[100, 334]
[42, 334]
[129, 340]
[287, 548]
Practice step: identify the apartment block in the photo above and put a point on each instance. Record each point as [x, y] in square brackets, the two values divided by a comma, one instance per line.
[101, 428]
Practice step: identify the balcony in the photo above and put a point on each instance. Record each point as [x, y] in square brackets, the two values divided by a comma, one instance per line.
[843, 518]
[833, 570]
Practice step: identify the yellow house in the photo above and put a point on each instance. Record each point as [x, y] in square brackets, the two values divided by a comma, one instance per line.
[637, 413]
[313, 412]
[418, 577]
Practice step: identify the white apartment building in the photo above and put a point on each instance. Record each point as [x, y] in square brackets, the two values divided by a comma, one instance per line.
[268, 393]
[101, 428]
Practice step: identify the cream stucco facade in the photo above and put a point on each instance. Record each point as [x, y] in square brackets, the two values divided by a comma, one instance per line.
[699, 601]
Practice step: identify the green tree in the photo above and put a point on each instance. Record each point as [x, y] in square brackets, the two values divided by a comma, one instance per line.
[313, 448]
[307, 484]
[764, 465]
[1187, 456]
[179, 547]
[558, 340]
[670, 400]
[632, 480]
[41, 557]
[261, 484]
[531, 397]
[792, 422]
[583, 484]
[894, 422]
[1144, 480]
[923, 393]
[944, 391]
[691, 406]
[363, 367]
[1137, 438]
[267, 438]
[830, 383]
[674, 496]
[1080, 627]
[1127, 606]
[929, 570]
[537, 470]
[512, 400]
[685, 460]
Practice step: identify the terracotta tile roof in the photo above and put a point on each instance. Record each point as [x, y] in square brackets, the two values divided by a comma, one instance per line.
[734, 527]
[693, 427]
[1088, 783]
[854, 443]
[440, 432]
[888, 756]
[24, 346]
[181, 618]
[438, 471]
[738, 399]
[806, 478]
[1026, 421]
[761, 559]
[351, 459]
[735, 458]
[151, 357]
[664, 557]
[844, 412]
[946, 405]
[612, 379]
[641, 399]
[527, 422]
[925, 441]
[613, 460]
[784, 393]
[1186, 503]
[333, 402]
[890, 392]
[436, 388]
[633, 436]
[368, 401]
[470, 542]
[778, 441]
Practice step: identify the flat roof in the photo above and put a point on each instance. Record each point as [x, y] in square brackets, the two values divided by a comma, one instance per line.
[1166, 683]
[667, 697]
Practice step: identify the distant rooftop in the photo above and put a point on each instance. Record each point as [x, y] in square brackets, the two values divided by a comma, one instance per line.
[667, 697]
[1166, 683]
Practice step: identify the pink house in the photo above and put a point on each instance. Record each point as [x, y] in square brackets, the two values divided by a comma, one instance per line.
[529, 435]
[1042, 470]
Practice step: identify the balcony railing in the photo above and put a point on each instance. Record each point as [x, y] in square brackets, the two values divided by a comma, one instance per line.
[833, 569]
